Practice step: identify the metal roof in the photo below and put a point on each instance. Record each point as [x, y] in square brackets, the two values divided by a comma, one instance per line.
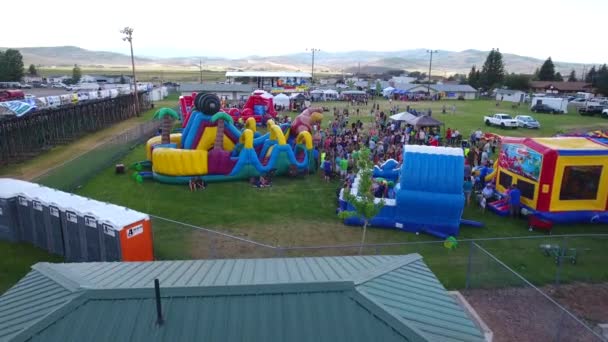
[508, 91]
[216, 87]
[398, 291]
[267, 74]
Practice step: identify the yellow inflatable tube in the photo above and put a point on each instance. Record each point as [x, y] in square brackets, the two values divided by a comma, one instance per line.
[492, 175]
[306, 138]
[277, 134]
[175, 138]
[247, 137]
[177, 162]
[250, 124]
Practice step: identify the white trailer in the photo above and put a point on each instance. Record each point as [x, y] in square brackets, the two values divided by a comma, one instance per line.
[557, 103]
[506, 95]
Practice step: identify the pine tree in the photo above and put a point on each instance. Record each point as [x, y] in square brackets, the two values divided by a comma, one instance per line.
[473, 78]
[591, 75]
[601, 83]
[558, 77]
[547, 71]
[572, 77]
[493, 70]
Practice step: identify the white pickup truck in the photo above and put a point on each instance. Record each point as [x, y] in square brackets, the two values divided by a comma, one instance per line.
[502, 120]
[605, 113]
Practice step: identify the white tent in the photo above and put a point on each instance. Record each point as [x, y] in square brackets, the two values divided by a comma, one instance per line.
[387, 91]
[403, 116]
[281, 100]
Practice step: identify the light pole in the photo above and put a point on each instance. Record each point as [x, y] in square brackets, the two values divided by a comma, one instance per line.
[200, 68]
[312, 73]
[430, 66]
[128, 32]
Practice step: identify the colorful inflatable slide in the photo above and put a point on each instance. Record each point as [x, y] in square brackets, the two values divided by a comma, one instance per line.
[211, 147]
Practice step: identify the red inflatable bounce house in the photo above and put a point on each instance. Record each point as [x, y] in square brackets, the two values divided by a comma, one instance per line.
[258, 106]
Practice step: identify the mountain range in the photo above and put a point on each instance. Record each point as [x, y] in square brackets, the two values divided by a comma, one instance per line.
[444, 62]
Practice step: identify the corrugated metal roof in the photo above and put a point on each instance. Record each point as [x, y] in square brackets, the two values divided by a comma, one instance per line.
[330, 312]
[425, 304]
[402, 290]
[216, 87]
[30, 300]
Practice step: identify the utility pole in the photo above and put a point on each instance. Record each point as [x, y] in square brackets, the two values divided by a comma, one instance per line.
[200, 68]
[430, 66]
[312, 73]
[128, 32]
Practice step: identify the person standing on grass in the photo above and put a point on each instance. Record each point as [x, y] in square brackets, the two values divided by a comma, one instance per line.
[327, 169]
[453, 109]
[467, 188]
[514, 200]
[448, 136]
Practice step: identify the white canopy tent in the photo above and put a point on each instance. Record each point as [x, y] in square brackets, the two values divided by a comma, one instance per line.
[387, 91]
[403, 116]
[281, 100]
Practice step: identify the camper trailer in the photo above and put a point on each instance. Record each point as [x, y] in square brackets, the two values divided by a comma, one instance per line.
[559, 104]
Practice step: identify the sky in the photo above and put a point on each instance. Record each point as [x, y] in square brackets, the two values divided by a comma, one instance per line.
[566, 30]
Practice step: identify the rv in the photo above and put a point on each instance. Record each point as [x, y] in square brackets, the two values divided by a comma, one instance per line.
[557, 103]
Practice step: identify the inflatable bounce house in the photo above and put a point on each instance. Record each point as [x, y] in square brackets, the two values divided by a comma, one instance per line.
[259, 106]
[428, 196]
[211, 147]
[561, 179]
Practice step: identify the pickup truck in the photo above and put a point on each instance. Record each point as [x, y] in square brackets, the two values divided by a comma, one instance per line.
[605, 113]
[502, 120]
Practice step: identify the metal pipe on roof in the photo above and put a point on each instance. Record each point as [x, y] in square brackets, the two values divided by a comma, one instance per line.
[159, 310]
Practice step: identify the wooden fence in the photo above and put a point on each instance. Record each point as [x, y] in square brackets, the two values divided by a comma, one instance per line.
[25, 137]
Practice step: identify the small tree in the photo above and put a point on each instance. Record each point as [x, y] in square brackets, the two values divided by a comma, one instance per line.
[76, 74]
[572, 77]
[602, 80]
[32, 70]
[378, 88]
[364, 204]
[558, 77]
[123, 80]
[11, 66]
[591, 76]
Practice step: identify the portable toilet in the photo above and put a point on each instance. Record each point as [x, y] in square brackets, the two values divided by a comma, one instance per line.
[37, 219]
[9, 197]
[26, 227]
[54, 229]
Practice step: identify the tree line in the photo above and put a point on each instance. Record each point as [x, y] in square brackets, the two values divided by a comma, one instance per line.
[493, 75]
[12, 68]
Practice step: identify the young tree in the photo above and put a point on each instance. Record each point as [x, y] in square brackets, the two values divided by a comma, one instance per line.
[558, 77]
[123, 80]
[32, 70]
[378, 88]
[364, 204]
[493, 70]
[547, 71]
[572, 77]
[76, 74]
[11, 66]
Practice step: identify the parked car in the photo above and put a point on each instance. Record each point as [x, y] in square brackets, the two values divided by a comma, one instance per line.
[58, 85]
[29, 96]
[591, 110]
[543, 108]
[25, 86]
[502, 120]
[526, 121]
[605, 113]
[11, 95]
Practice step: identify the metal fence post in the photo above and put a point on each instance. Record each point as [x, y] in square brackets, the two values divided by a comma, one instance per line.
[559, 326]
[469, 265]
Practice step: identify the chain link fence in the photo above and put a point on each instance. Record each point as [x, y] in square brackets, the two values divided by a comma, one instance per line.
[73, 173]
[515, 308]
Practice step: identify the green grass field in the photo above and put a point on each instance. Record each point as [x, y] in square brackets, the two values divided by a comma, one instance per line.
[301, 212]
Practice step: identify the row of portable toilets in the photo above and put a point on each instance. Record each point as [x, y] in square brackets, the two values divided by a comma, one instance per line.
[76, 227]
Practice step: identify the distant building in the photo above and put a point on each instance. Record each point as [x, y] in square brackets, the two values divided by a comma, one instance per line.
[57, 78]
[31, 79]
[455, 91]
[402, 79]
[268, 80]
[339, 299]
[560, 87]
[231, 92]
